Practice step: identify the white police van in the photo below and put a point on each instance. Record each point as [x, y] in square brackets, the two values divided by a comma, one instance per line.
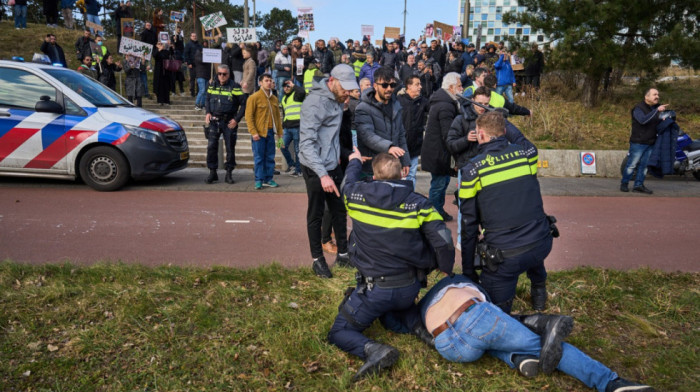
[58, 123]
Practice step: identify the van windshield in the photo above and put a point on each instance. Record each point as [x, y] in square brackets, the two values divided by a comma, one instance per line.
[96, 93]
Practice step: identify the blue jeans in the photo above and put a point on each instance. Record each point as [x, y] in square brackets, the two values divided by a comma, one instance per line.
[412, 171]
[144, 81]
[264, 157]
[485, 328]
[638, 159]
[436, 195]
[291, 135]
[506, 91]
[279, 82]
[500, 285]
[201, 93]
[383, 304]
[20, 13]
[96, 20]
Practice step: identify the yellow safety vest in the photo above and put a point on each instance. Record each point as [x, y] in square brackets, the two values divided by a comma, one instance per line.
[308, 78]
[497, 100]
[358, 67]
[291, 107]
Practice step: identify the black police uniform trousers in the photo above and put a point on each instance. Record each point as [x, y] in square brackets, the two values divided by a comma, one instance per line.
[500, 285]
[216, 128]
[359, 310]
[318, 198]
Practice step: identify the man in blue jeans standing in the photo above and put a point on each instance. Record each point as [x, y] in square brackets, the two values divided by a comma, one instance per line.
[645, 118]
[465, 325]
[262, 115]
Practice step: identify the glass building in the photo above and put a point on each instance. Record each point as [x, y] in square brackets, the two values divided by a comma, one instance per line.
[487, 15]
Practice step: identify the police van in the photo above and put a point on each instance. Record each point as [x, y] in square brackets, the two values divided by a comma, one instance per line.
[59, 123]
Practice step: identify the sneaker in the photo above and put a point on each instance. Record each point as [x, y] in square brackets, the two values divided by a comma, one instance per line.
[297, 174]
[258, 185]
[271, 184]
[343, 260]
[527, 365]
[620, 384]
[624, 188]
[276, 172]
[321, 269]
[330, 247]
[196, 107]
[288, 170]
[642, 189]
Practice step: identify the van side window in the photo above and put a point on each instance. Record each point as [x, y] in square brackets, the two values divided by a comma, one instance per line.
[21, 89]
[72, 108]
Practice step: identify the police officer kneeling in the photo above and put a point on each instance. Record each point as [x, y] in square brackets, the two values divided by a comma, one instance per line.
[397, 236]
[225, 106]
[499, 191]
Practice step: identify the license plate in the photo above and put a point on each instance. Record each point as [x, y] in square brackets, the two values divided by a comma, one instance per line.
[184, 155]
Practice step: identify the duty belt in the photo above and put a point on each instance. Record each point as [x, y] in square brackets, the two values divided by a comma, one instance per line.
[518, 251]
[389, 282]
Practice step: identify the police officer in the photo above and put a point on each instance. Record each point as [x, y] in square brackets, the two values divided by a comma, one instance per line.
[397, 236]
[499, 191]
[225, 106]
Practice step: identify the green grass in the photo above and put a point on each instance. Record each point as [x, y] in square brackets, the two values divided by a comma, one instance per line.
[117, 327]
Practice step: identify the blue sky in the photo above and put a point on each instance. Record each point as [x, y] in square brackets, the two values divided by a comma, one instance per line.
[344, 18]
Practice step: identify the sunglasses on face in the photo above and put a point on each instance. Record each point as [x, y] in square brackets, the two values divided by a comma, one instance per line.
[387, 85]
[222, 73]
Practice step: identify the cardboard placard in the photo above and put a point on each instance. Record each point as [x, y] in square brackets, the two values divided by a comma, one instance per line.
[378, 42]
[127, 27]
[177, 16]
[241, 34]
[94, 26]
[213, 20]
[367, 30]
[392, 32]
[445, 29]
[212, 56]
[135, 48]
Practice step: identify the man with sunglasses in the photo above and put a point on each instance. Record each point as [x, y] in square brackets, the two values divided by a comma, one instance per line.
[225, 104]
[379, 123]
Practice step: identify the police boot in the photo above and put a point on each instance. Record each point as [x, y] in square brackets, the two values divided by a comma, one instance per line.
[553, 329]
[538, 294]
[213, 177]
[229, 176]
[422, 333]
[379, 356]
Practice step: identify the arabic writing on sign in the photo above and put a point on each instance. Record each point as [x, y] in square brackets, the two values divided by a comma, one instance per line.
[136, 48]
[213, 20]
[241, 34]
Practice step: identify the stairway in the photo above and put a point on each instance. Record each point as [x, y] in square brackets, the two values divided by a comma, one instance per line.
[182, 110]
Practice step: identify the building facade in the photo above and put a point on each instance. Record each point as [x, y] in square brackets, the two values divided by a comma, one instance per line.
[487, 15]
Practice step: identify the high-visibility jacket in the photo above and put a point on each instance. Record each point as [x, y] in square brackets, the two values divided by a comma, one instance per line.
[226, 100]
[497, 100]
[394, 230]
[308, 78]
[499, 191]
[292, 110]
[357, 65]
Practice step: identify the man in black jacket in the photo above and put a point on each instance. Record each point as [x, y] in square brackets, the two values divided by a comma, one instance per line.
[415, 113]
[190, 49]
[54, 50]
[82, 45]
[379, 123]
[324, 57]
[397, 236]
[645, 117]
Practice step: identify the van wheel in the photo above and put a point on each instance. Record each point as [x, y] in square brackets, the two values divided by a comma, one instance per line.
[104, 169]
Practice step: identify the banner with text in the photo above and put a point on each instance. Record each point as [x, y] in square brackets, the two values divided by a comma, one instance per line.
[392, 32]
[213, 20]
[211, 56]
[135, 48]
[241, 34]
[367, 30]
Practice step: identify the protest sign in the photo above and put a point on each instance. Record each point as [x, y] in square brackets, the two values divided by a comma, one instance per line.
[211, 56]
[303, 34]
[94, 26]
[367, 30]
[378, 42]
[445, 30]
[213, 20]
[429, 30]
[305, 19]
[300, 66]
[241, 34]
[164, 37]
[177, 16]
[135, 48]
[127, 27]
[392, 32]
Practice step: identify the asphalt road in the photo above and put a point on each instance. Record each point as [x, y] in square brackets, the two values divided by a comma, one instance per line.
[180, 220]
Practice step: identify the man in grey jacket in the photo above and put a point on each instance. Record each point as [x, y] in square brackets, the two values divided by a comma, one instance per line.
[379, 123]
[319, 154]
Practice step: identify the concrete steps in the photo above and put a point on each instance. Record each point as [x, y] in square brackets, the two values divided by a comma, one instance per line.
[182, 110]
